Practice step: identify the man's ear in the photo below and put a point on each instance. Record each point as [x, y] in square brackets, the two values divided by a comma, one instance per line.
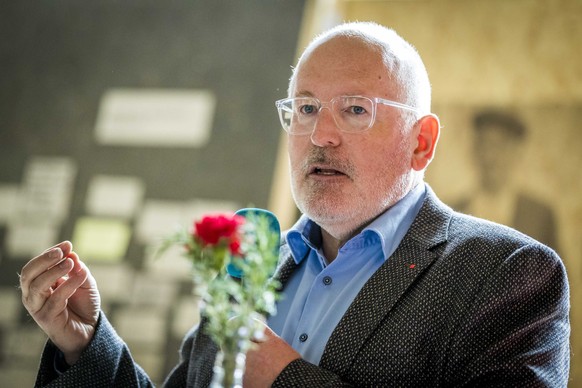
[428, 136]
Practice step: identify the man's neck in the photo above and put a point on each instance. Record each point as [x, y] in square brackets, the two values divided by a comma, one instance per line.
[332, 242]
[331, 245]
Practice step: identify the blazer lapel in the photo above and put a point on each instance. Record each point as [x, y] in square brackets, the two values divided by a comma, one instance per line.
[284, 271]
[286, 264]
[387, 285]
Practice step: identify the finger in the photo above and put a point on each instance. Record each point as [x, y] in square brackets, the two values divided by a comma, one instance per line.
[35, 294]
[262, 332]
[269, 333]
[78, 277]
[81, 270]
[43, 262]
[77, 264]
[58, 283]
[65, 246]
[66, 289]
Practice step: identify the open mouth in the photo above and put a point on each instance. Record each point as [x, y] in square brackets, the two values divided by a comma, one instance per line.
[322, 171]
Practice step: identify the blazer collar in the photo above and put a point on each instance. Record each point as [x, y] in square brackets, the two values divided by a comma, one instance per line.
[431, 226]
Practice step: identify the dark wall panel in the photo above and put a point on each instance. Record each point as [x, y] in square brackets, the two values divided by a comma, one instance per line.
[57, 59]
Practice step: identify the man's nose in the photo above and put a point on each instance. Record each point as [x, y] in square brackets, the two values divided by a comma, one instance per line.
[325, 131]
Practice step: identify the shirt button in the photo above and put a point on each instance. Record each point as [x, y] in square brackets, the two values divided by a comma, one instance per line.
[303, 337]
[327, 280]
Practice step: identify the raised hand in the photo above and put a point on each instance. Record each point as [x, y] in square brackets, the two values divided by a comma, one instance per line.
[61, 295]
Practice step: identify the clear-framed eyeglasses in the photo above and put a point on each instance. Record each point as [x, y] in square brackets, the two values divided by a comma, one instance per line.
[299, 115]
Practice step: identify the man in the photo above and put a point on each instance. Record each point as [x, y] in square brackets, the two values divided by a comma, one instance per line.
[383, 284]
[498, 146]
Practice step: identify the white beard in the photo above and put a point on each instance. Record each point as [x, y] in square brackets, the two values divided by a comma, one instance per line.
[342, 215]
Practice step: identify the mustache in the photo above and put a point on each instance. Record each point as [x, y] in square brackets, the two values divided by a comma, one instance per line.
[321, 156]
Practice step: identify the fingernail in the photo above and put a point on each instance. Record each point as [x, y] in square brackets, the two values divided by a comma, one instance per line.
[55, 253]
[63, 264]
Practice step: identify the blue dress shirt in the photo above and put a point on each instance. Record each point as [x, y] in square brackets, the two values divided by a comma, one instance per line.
[318, 294]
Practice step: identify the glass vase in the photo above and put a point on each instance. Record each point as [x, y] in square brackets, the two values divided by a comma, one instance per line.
[228, 369]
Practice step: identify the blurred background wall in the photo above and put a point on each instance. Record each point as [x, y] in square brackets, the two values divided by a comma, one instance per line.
[119, 121]
[521, 58]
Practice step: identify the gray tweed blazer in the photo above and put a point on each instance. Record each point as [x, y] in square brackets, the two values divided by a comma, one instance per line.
[461, 303]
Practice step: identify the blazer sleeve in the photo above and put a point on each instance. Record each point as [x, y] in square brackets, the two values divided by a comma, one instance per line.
[300, 373]
[197, 355]
[107, 362]
[517, 331]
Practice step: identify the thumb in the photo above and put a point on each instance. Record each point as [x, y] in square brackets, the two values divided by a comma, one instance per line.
[262, 332]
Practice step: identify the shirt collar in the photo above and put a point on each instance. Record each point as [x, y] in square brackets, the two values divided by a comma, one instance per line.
[302, 237]
[390, 227]
[393, 224]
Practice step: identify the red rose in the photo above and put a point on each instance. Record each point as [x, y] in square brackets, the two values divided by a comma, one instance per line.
[212, 230]
[234, 248]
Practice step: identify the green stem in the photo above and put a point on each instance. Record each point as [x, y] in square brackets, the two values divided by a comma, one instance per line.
[229, 366]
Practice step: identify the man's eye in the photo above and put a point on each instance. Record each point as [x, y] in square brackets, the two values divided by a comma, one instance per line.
[307, 109]
[355, 109]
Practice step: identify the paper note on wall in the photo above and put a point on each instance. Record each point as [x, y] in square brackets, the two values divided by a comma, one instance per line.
[47, 188]
[198, 207]
[155, 117]
[10, 302]
[101, 239]
[117, 196]
[27, 238]
[187, 314]
[151, 289]
[8, 202]
[160, 218]
[24, 342]
[113, 281]
[142, 326]
[171, 264]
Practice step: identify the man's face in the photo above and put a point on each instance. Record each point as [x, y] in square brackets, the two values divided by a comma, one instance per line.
[344, 180]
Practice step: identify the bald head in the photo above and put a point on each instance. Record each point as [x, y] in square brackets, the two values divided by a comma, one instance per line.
[403, 65]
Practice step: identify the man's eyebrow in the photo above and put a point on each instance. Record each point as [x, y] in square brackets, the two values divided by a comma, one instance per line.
[303, 93]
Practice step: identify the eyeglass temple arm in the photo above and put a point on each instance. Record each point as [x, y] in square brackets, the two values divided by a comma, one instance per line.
[397, 104]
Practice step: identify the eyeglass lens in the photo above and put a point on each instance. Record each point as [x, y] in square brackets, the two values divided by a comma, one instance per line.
[351, 113]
